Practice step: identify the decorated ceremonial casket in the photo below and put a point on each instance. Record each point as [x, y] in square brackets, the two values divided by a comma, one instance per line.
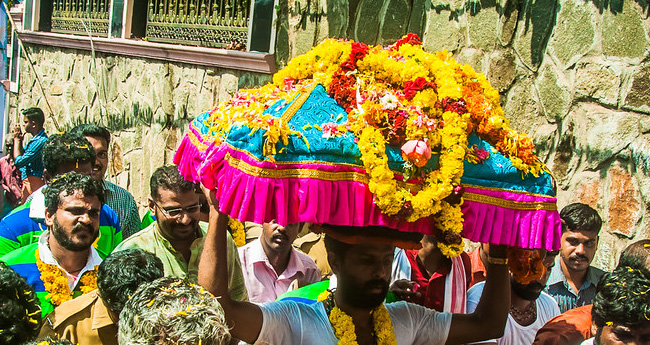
[376, 137]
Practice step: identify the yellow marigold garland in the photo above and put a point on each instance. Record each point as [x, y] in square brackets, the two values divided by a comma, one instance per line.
[56, 283]
[394, 95]
[237, 231]
[344, 326]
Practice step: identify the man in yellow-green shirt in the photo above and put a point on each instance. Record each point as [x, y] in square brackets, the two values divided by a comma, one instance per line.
[176, 237]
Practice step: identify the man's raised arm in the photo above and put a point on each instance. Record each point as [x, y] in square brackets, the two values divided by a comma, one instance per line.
[244, 318]
[488, 321]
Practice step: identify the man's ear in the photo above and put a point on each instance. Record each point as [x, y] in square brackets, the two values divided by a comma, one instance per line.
[594, 329]
[152, 205]
[334, 261]
[47, 177]
[49, 218]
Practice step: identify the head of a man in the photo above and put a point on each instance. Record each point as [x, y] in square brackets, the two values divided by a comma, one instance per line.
[99, 138]
[20, 313]
[172, 311]
[175, 204]
[67, 152]
[363, 270]
[72, 206]
[33, 119]
[121, 273]
[580, 227]
[532, 290]
[636, 254]
[277, 239]
[621, 309]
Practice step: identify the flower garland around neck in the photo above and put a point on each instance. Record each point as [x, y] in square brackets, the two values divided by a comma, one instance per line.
[56, 283]
[344, 326]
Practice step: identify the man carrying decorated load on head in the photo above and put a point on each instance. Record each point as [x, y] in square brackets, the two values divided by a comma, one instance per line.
[376, 147]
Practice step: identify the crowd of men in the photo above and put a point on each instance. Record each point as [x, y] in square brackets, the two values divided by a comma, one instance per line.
[77, 264]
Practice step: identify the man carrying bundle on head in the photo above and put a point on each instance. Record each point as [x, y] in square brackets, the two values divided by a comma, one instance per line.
[372, 145]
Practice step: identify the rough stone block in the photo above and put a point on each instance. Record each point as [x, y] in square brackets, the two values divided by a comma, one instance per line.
[227, 86]
[533, 34]
[116, 165]
[367, 21]
[393, 21]
[482, 26]
[602, 133]
[601, 81]
[638, 97]
[441, 33]
[502, 69]
[623, 34]
[574, 32]
[588, 190]
[554, 92]
[472, 57]
[522, 107]
[624, 206]
[508, 21]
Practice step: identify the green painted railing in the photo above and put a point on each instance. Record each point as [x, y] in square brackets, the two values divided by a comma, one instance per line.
[206, 23]
[81, 17]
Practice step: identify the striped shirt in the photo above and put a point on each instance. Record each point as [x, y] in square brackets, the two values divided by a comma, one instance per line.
[558, 287]
[123, 203]
[23, 261]
[26, 223]
[30, 162]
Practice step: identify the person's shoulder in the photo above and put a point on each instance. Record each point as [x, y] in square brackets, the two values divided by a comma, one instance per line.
[68, 310]
[306, 259]
[549, 303]
[476, 289]
[118, 190]
[107, 216]
[142, 239]
[22, 255]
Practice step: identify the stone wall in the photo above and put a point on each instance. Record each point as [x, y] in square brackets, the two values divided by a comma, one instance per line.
[574, 74]
[146, 104]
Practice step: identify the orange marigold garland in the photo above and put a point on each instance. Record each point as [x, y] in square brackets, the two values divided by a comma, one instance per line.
[56, 283]
[526, 265]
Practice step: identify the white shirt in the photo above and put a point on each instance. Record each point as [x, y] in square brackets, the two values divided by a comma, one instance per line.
[589, 341]
[46, 256]
[516, 334]
[289, 322]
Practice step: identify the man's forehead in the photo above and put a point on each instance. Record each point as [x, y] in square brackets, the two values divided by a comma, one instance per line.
[581, 235]
[170, 196]
[77, 195]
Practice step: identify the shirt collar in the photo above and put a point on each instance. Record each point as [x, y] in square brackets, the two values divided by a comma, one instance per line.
[557, 276]
[37, 204]
[40, 133]
[257, 254]
[46, 257]
[101, 315]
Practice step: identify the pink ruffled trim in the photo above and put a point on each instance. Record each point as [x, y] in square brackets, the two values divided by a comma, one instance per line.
[189, 158]
[528, 229]
[292, 200]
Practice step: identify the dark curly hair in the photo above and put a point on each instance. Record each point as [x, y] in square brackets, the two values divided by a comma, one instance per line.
[121, 273]
[168, 177]
[66, 148]
[578, 217]
[92, 130]
[623, 298]
[20, 312]
[69, 183]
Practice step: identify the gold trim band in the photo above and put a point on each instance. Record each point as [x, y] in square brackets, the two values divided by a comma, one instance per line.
[505, 190]
[293, 108]
[513, 205]
[195, 141]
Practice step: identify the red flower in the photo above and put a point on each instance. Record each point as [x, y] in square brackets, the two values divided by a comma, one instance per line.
[409, 38]
[412, 87]
[447, 104]
[359, 51]
[343, 91]
[348, 66]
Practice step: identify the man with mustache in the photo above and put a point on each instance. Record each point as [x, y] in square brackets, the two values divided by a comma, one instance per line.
[62, 153]
[363, 270]
[573, 280]
[62, 264]
[176, 235]
[270, 264]
[530, 306]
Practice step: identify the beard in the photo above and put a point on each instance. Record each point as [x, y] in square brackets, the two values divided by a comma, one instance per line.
[529, 292]
[358, 296]
[66, 241]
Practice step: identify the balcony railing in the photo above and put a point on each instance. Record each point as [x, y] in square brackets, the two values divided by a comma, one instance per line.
[206, 23]
[80, 17]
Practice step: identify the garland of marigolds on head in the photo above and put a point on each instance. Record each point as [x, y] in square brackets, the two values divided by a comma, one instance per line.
[344, 326]
[56, 283]
[399, 96]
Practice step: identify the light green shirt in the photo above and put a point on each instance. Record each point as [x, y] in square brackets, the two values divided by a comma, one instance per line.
[151, 240]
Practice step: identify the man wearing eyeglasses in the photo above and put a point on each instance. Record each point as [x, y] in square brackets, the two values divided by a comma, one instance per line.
[176, 236]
